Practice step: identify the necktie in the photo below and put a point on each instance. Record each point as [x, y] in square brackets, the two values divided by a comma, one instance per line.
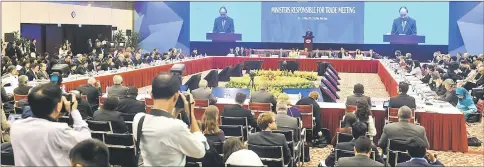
[223, 24]
[403, 24]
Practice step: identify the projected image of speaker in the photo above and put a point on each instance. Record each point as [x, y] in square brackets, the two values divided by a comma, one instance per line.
[253, 65]
[212, 79]
[236, 71]
[224, 75]
[289, 65]
[193, 82]
[328, 96]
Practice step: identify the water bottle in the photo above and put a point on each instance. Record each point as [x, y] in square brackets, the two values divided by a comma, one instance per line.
[205, 54]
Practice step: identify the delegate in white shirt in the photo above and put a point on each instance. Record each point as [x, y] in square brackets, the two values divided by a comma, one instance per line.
[40, 142]
[167, 141]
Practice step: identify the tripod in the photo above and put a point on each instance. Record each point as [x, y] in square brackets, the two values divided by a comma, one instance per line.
[252, 83]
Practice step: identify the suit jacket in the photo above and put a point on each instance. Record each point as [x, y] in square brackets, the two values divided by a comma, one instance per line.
[85, 109]
[349, 146]
[417, 162]
[238, 111]
[402, 100]
[117, 121]
[267, 138]
[91, 92]
[309, 33]
[286, 122]
[401, 130]
[449, 96]
[42, 75]
[22, 90]
[80, 70]
[262, 96]
[130, 105]
[31, 75]
[33, 48]
[117, 90]
[358, 160]
[409, 29]
[351, 100]
[228, 27]
[204, 94]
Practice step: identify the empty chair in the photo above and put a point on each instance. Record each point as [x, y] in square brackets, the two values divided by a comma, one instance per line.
[122, 155]
[396, 152]
[7, 159]
[237, 121]
[232, 130]
[270, 155]
[258, 108]
[98, 135]
[103, 126]
[118, 139]
[343, 137]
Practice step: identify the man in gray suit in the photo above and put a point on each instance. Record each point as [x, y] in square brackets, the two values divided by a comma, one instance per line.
[262, 96]
[284, 121]
[204, 93]
[117, 90]
[402, 129]
[362, 154]
[358, 91]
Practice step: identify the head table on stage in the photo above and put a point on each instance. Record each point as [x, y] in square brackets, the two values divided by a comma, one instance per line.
[445, 126]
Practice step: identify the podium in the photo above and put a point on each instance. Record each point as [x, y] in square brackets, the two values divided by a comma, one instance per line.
[308, 42]
[404, 39]
[224, 37]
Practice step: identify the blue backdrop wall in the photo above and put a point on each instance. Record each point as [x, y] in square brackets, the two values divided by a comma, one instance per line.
[448, 26]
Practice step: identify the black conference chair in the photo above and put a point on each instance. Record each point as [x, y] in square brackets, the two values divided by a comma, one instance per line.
[233, 130]
[396, 152]
[343, 137]
[237, 121]
[119, 139]
[122, 155]
[272, 156]
[101, 126]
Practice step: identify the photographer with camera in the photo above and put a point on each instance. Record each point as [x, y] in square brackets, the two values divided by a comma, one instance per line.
[41, 140]
[163, 139]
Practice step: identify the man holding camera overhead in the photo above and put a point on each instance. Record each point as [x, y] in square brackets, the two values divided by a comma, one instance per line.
[41, 140]
[164, 139]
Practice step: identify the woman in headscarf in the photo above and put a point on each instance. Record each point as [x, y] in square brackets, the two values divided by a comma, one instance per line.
[465, 103]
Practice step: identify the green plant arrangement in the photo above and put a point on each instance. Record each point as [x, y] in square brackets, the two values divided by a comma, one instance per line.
[119, 37]
[133, 39]
[274, 80]
[311, 76]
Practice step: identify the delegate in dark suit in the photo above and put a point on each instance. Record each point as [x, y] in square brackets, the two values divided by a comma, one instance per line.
[349, 146]
[309, 33]
[407, 26]
[91, 92]
[419, 162]
[237, 111]
[223, 25]
[263, 96]
[117, 121]
[129, 105]
[204, 94]
[402, 100]
[358, 160]
[267, 138]
[401, 130]
[351, 100]
[22, 90]
[117, 91]
[316, 112]
[31, 74]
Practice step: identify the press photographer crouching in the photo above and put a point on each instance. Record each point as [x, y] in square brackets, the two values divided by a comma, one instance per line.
[41, 140]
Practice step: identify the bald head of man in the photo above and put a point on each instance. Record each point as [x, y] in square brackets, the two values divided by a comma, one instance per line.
[404, 113]
[481, 70]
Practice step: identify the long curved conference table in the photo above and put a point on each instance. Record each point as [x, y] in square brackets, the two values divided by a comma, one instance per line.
[446, 131]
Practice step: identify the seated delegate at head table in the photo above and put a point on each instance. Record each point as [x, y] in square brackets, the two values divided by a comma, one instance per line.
[223, 24]
[404, 24]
